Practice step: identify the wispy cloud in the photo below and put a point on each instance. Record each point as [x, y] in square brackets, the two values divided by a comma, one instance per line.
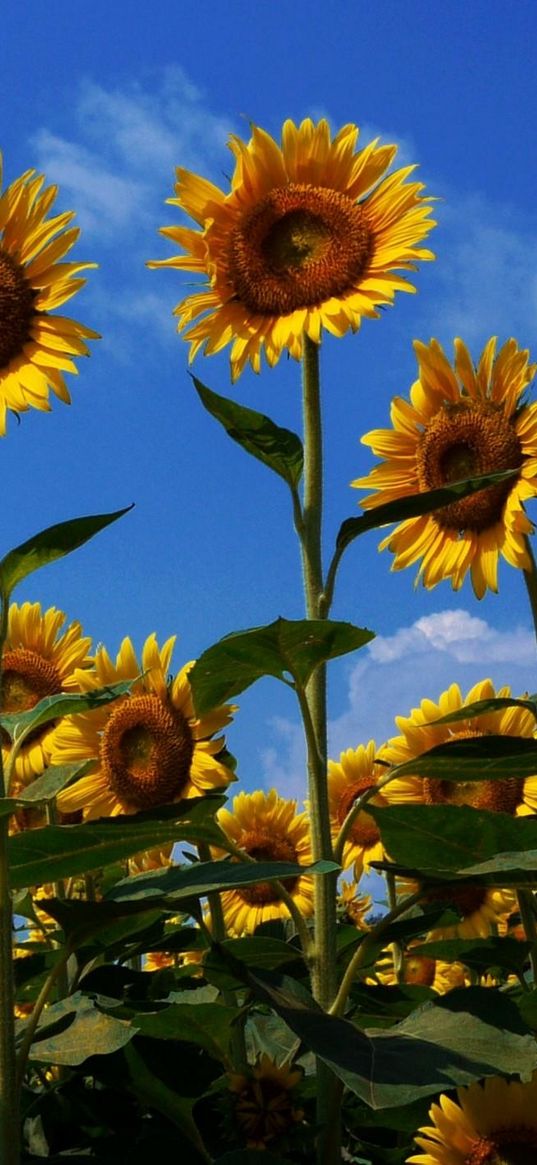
[395, 673]
[485, 281]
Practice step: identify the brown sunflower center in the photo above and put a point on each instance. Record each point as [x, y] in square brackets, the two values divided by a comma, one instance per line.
[419, 970]
[146, 752]
[502, 796]
[265, 847]
[514, 1146]
[467, 440]
[467, 898]
[16, 308]
[27, 678]
[264, 1110]
[299, 246]
[364, 831]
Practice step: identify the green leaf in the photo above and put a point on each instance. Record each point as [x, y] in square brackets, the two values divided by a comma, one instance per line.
[50, 544]
[430, 1051]
[495, 704]
[285, 647]
[179, 882]
[415, 505]
[19, 724]
[483, 758]
[90, 1033]
[151, 1090]
[44, 788]
[102, 923]
[278, 448]
[255, 951]
[62, 851]
[478, 953]
[251, 1157]
[210, 1025]
[454, 838]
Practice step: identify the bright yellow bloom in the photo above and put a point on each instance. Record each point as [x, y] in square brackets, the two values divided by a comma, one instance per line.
[36, 348]
[150, 747]
[461, 422]
[39, 659]
[483, 909]
[493, 1123]
[347, 780]
[265, 1101]
[355, 906]
[419, 733]
[309, 237]
[268, 828]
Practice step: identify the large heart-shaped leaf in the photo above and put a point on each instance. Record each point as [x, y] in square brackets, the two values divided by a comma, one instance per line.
[281, 649]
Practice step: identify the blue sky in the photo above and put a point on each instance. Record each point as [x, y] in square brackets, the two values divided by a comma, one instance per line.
[107, 99]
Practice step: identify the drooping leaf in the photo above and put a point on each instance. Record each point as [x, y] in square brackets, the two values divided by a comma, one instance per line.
[277, 448]
[251, 1157]
[150, 1089]
[52, 781]
[283, 648]
[102, 923]
[18, 724]
[49, 545]
[415, 505]
[62, 851]
[179, 882]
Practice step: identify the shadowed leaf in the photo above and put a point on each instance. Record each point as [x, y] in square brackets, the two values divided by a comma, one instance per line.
[50, 544]
[277, 448]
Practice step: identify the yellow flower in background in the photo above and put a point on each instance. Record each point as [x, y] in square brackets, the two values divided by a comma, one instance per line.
[268, 828]
[348, 779]
[309, 237]
[419, 971]
[491, 1123]
[40, 658]
[355, 907]
[150, 746]
[483, 909]
[36, 348]
[419, 733]
[265, 1105]
[461, 421]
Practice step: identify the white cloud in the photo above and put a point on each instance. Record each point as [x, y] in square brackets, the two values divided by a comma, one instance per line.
[394, 673]
[119, 165]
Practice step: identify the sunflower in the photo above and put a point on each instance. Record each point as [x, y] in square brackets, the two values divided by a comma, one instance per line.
[483, 909]
[348, 779]
[354, 907]
[419, 971]
[491, 1123]
[268, 828]
[265, 1101]
[461, 422]
[419, 733]
[309, 237]
[36, 348]
[39, 659]
[149, 748]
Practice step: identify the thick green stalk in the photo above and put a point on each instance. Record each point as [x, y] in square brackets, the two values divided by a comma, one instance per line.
[324, 969]
[9, 1105]
[324, 974]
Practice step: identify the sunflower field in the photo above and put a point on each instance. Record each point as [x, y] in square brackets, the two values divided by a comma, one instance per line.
[195, 971]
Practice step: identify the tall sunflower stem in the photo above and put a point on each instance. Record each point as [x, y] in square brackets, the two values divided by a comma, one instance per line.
[314, 714]
[530, 579]
[9, 1097]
